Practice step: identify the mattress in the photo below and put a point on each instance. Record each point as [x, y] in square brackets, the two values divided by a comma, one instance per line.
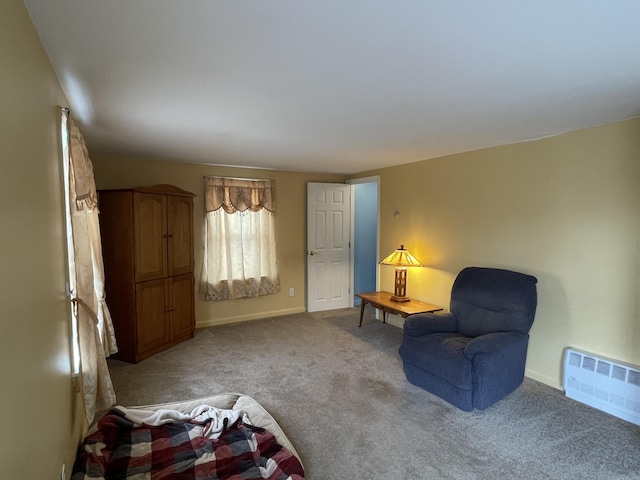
[224, 436]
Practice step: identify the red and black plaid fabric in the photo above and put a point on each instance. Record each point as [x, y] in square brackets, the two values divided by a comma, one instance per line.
[178, 451]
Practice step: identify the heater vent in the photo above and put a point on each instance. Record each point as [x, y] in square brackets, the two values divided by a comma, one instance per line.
[603, 368]
[603, 383]
[619, 373]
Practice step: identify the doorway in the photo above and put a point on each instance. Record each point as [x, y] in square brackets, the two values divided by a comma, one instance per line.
[364, 233]
[342, 242]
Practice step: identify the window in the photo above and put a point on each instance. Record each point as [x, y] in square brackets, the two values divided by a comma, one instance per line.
[240, 243]
[71, 287]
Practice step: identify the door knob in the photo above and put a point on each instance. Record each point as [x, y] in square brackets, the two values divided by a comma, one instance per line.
[313, 253]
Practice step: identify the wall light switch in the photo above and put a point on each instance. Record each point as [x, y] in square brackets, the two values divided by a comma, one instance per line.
[291, 292]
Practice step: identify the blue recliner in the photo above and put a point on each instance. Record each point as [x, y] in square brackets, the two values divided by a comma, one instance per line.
[475, 355]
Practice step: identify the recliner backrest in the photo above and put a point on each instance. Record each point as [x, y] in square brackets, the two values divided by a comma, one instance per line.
[487, 300]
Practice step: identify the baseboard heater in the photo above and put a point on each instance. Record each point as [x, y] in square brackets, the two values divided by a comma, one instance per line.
[603, 383]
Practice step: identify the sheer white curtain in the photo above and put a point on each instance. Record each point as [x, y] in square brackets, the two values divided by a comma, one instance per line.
[95, 334]
[240, 242]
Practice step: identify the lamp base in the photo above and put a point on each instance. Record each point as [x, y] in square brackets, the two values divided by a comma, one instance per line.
[399, 293]
[395, 298]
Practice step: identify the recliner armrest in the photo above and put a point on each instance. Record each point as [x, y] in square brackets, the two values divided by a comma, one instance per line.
[426, 323]
[492, 342]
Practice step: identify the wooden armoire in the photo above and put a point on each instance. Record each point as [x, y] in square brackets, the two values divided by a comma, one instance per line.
[147, 245]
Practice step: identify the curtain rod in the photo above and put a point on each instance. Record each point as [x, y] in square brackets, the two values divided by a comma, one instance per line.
[238, 178]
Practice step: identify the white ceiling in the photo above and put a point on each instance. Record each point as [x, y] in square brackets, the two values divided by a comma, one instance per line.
[338, 86]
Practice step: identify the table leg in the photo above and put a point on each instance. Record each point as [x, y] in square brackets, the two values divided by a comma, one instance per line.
[362, 311]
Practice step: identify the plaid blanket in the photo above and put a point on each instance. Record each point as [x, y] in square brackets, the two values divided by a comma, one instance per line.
[119, 449]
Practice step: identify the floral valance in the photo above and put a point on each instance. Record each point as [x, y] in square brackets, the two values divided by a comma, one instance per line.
[239, 195]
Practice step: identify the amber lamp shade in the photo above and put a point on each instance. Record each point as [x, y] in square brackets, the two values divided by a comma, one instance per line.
[401, 259]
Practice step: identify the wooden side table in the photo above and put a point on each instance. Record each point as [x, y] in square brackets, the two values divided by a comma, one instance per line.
[382, 301]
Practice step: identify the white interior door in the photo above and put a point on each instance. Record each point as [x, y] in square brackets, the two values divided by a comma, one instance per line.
[328, 234]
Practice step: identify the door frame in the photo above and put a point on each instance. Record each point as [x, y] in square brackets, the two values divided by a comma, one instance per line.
[371, 179]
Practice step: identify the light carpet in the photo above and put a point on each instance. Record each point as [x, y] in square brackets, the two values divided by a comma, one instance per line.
[340, 395]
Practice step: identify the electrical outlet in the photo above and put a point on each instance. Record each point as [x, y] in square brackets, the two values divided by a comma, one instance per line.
[63, 474]
[291, 292]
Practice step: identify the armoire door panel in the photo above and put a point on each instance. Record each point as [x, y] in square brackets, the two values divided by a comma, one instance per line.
[150, 233]
[182, 314]
[180, 234]
[151, 305]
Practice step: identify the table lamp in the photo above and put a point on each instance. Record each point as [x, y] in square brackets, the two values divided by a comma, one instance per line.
[401, 259]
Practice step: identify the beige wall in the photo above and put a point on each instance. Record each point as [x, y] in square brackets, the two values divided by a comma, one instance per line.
[40, 415]
[565, 209]
[124, 172]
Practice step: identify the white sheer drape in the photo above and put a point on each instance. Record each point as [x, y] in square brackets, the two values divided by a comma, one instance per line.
[96, 337]
[240, 243]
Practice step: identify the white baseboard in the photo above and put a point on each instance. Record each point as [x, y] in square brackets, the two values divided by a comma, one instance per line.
[543, 379]
[245, 318]
[395, 320]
